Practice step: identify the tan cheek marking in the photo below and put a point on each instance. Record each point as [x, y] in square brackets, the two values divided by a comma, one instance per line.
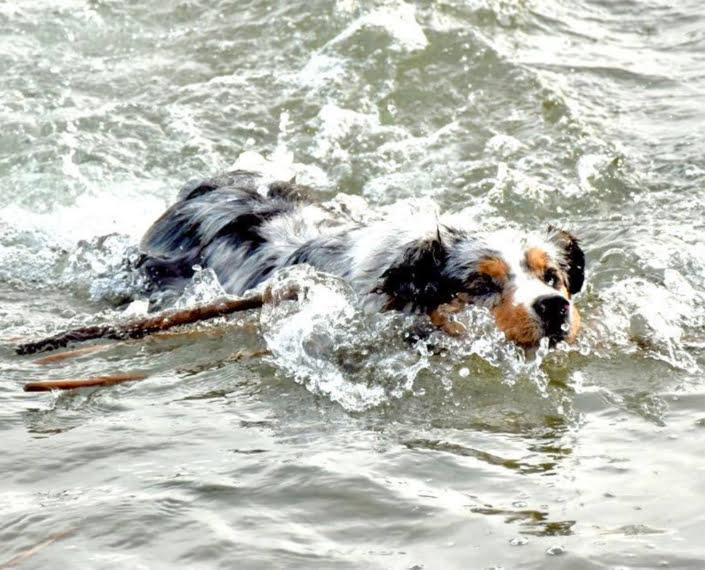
[516, 322]
[537, 260]
[495, 268]
[574, 318]
[574, 325]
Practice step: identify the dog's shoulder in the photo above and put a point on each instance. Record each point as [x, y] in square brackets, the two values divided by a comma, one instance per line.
[223, 213]
[233, 204]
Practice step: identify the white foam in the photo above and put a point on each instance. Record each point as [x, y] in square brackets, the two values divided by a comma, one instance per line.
[280, 164]
[636, 314]
[336, 124]
[280, 167]
[503, 146]
[125, 209]
[321, 70]
[398, 19]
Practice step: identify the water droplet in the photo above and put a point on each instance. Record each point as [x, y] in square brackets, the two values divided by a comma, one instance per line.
[464, 372]
[519, 541]
[556, 550]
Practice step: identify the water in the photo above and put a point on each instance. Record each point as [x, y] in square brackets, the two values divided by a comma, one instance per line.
[344, 447]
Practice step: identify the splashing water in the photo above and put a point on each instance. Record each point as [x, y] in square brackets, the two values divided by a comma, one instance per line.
[203, 288]
[332, 347]
[328, 343]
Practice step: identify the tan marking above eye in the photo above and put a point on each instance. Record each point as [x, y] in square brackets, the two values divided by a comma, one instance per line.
[540, 265]
[537, 260]
[495, 268]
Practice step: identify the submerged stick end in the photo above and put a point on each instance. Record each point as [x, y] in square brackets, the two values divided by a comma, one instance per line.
[72, 383]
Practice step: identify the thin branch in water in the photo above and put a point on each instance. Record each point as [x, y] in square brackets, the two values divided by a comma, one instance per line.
[139, 328]
[72, 383]
[22, 556]
[52, 358]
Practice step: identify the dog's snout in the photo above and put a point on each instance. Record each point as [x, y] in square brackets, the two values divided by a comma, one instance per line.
[553, 311]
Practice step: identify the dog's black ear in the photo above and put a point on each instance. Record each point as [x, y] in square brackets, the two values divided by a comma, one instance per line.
[416, 280]
[572, 259]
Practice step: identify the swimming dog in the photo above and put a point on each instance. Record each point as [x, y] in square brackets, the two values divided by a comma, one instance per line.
[245, 228]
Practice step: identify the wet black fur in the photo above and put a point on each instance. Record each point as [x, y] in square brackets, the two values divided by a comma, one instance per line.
[173, 245]
[417, 282]
[574, 260]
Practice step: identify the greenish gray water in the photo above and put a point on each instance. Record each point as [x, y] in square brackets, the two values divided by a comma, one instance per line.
[345, 448]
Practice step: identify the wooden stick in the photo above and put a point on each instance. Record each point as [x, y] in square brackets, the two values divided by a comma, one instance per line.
[52, 358]
[22, 556]
[140, 328]
[71, 383]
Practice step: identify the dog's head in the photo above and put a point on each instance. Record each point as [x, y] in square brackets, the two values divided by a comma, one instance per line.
[527, 283]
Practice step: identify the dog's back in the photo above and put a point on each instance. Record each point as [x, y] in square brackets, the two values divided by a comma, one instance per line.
[239, 225]
[243, 228]
[215, 215]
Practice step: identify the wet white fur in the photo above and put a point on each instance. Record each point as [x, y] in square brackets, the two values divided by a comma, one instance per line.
[373, 248]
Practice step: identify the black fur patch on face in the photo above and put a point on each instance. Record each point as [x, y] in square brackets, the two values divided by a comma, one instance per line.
[417, 279]
[573, 263]
[480, 286]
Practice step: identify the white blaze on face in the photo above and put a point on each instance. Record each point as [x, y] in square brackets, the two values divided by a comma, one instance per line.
[527, 287]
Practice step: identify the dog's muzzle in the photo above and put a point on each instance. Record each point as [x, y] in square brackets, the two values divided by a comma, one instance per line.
[553, 312]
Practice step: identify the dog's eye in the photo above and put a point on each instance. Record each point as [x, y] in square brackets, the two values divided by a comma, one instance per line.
[551, 278]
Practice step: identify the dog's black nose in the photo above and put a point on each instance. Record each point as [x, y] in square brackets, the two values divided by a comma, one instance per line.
[553, 312]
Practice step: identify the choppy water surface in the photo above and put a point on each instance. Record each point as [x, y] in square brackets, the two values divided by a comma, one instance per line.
[345, 447]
